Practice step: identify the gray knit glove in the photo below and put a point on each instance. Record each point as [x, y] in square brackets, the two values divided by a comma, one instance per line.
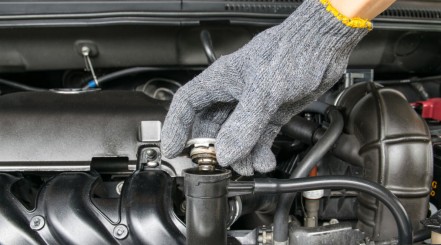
[244, 98]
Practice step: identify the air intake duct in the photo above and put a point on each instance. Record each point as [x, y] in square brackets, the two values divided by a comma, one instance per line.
[395, 151]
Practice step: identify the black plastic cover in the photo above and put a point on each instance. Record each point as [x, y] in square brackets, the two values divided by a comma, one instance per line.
[396, 151]
[47, 130]
[72, 214]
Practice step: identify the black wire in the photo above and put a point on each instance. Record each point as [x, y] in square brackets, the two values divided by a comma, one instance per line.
[311, 159]
[134, 71]
[20, 86]
[409, 80]
[421, 235]
[394, 205]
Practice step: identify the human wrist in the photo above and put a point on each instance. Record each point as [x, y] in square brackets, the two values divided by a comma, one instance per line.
[348, 20]
[364, 9]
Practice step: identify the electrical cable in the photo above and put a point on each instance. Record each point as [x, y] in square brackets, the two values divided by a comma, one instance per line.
[132, 71]
[323, 145]
[409, 80]
[421, 235]
[20, 86]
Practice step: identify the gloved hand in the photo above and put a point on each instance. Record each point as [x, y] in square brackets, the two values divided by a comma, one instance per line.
[244, 98]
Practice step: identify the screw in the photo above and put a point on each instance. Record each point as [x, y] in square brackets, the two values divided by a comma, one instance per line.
[120, 232]
[151, 154]
[85, 50]
[37, 223]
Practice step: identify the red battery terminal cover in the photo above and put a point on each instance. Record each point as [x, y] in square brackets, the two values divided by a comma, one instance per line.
[430, 109]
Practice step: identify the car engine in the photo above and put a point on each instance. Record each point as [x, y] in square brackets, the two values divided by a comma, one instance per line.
[85, 90]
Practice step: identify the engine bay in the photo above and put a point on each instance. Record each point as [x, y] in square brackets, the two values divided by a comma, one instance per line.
[83, 101]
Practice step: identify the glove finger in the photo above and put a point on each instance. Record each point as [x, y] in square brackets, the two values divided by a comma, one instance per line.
[209, 121]
[203, 91]
[262, 156]
[240, 133]
[244, 166]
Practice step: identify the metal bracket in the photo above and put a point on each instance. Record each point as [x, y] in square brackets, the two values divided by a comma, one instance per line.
[86, 51]
[149, 157]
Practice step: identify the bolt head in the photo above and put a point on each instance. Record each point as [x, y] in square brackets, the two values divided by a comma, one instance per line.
[120, 232]
[85, 50]
[37, 223]
[151, 154]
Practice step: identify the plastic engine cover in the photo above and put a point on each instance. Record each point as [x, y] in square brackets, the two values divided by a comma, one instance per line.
[48, 131]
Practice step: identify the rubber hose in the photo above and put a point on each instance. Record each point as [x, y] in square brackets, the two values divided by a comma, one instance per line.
[20, 86]
[311, 159]
[317, 107]
[404, 224]
[421, 235]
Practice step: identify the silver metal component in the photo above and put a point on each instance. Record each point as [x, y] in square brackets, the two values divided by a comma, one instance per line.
[85, 51]
[42, 167]
[120, 232]
[358, 75]
[150, 131]
[160, 88]
[312, 207]
[265, 236]
[201, 142]
[308, 116]
[152, 164]
[73, 90]
[119, 187]
[37, 223]
[315, 194]
[333, 221]
[341, 233]
[203, 153]
[151, 154]
[150, 157]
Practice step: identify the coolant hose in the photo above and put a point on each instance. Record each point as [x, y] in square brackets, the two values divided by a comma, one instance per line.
[323, 145]
[404, 225]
